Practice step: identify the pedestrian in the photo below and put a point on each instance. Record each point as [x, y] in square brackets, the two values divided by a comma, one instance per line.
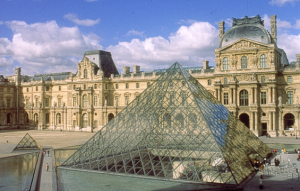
[47, 167]
[48, 153]
[260, 181]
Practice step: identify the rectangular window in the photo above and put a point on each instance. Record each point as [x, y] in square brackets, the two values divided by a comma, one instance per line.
[47, 102]
[47, 88]
[290, 97]
[27, 89]
[27, 102]
[117, 86]
[106, 86]
[117, 100]
[289, 79]
[59, 102]
[95, 86]
[95, 101]
[47, 118]
[137, 85]
[74, 101]
[59, 88]
[225, 98]
[126, 100]
[8, 89]
[127, 86]
[36, 88]
[263, 97]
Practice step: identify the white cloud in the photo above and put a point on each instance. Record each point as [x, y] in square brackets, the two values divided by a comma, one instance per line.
[280, 23]
[297, 25]
[134, 32]
[42, 47]
[189, 46]
[187, 22]
[85, 22]
[290, 44]
[280, 3]
[5, 61]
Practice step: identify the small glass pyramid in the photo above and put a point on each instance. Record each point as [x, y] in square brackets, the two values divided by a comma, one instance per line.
[27, 143]
[174, 130]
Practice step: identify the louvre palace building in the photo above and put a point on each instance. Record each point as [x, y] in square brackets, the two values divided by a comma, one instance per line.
[252, 78]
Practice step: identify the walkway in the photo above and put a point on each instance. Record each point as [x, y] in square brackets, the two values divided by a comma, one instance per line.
[46, 176]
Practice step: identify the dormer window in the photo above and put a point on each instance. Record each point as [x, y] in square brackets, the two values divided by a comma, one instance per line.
[289, 79]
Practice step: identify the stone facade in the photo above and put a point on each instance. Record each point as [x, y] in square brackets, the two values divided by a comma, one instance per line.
[252, 78]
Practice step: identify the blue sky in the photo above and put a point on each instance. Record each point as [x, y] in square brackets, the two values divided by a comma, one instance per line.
[44, 36]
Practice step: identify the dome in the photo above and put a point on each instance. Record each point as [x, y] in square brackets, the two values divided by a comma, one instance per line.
[248, 28]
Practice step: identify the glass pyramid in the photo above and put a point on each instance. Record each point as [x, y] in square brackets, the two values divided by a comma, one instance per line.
[174, 130]
[27, 143]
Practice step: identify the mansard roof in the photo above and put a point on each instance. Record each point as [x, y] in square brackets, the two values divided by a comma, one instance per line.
[50, 77]
[249, 28]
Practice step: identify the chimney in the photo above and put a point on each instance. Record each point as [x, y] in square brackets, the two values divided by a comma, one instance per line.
[221, 30]
[136, 69]
[126, 70]
[274, 28]
[205, 64]
[298, 60]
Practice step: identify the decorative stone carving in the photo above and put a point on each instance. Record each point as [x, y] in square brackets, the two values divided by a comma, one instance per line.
[279, 101]
[254, 60]
[254, 77]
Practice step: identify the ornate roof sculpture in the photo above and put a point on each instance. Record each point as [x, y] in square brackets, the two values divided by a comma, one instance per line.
[174, 131]
[27, 143]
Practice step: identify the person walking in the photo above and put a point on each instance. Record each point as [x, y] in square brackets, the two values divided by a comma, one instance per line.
[47, 167]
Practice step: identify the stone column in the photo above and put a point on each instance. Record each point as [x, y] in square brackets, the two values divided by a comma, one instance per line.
[270, 126]
[274, 95]
[217, 93]
[65, 121]
[230, 94]
[220, 98]
[254, 95]
[256, 123]
[252, 121]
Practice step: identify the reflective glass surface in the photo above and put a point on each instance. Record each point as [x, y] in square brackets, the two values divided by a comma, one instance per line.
[174, 130]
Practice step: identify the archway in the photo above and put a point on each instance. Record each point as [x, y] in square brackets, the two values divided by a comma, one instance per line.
[245, 119]
[36, 118]
[9, 119]
[110, 116]
[289, 121]
[84, 120]
[26, 119]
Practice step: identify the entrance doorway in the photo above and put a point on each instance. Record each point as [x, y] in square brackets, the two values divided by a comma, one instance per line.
[289, 121]
[245, 119]
[264, 129]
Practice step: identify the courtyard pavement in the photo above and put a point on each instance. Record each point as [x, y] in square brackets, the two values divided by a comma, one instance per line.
[274, 179]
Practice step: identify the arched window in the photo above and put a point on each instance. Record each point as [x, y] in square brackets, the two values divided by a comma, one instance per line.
[84, 120]
[58, 119]
[244, 98]
[84, 101]
[84, 73]
[289, 79]
[244, 62]
[225, 81]
[263, 61]
[225, 63]
[209, 82]
[263, 79]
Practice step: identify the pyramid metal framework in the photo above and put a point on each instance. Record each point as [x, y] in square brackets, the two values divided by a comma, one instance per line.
[27, 143]
[175, 130]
